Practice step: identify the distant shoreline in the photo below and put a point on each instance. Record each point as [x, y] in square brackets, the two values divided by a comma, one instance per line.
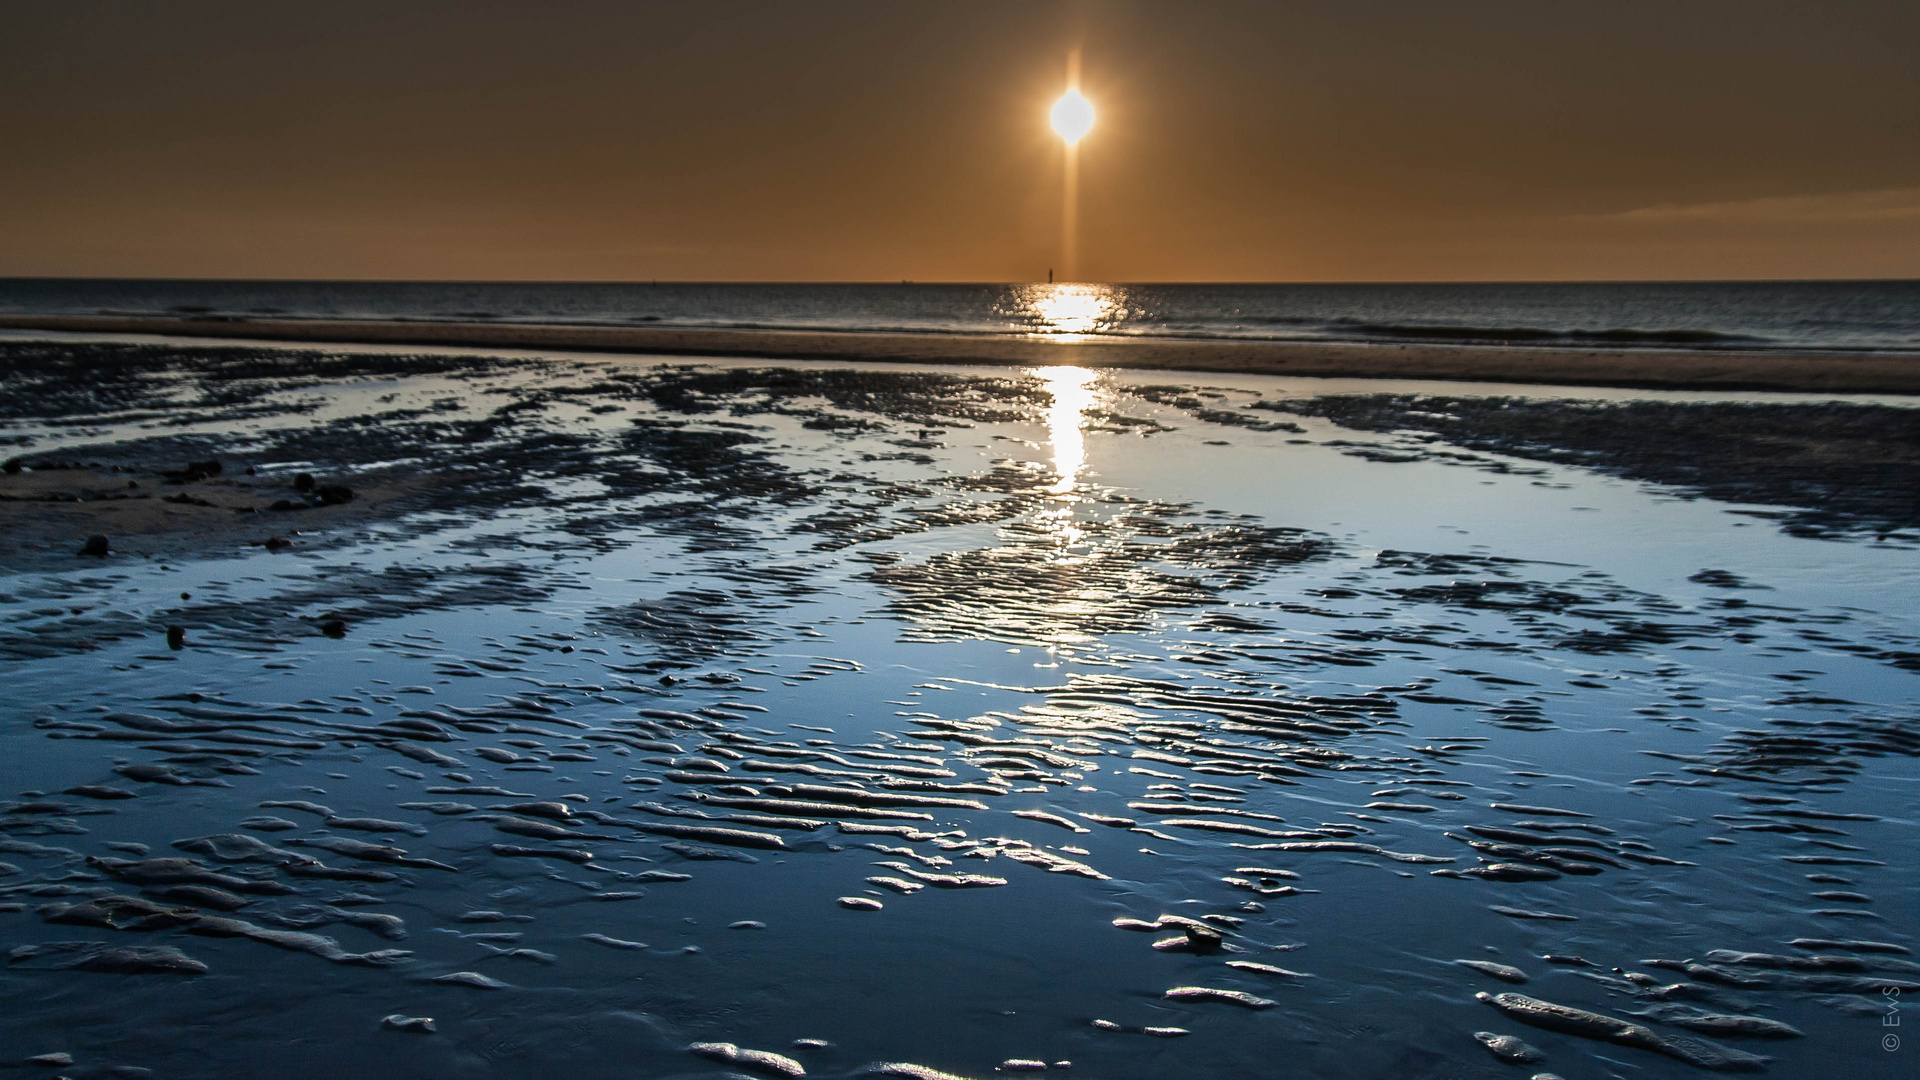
[1645, 368]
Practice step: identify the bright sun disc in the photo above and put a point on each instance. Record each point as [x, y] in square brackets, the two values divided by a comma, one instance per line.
[1072, 116]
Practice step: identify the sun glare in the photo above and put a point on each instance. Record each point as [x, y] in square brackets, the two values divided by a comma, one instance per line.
[1070, 311]
[1072, 116]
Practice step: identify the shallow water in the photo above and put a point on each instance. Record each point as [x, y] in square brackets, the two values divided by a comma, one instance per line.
[1158, 653]
[1869, 315]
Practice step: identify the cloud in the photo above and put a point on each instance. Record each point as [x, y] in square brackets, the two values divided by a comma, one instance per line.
[1895, 205]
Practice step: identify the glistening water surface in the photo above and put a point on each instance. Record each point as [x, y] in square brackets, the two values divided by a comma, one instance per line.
[1745, 315]
[656, 720]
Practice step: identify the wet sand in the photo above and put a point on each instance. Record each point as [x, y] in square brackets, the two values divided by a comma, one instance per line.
[1676, 369]
[147, 510]
[779, 720]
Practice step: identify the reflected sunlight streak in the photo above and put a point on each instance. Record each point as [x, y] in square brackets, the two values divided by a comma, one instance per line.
[1073, 394]
[1068, 313]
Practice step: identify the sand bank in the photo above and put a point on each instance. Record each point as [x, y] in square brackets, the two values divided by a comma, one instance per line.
[1677, 369]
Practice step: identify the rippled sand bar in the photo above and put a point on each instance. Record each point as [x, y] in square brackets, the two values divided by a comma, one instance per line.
[486, 713]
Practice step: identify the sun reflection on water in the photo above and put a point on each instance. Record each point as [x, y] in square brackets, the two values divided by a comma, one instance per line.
[1072, 390]
[1073, 395]
[1067, 313]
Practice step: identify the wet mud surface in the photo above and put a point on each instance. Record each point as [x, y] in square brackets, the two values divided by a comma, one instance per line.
[649, 719]
[1842, 467]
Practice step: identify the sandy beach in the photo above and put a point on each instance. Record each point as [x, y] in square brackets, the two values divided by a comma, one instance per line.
[402, 679]
[1673, 369]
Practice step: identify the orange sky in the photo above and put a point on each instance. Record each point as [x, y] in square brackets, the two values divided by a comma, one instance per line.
[1238, 141]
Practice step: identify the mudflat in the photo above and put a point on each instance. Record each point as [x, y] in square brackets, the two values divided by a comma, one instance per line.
[1673, 369]
[421, 702]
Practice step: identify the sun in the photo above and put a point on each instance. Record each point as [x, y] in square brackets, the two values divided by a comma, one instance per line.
[1072, 116]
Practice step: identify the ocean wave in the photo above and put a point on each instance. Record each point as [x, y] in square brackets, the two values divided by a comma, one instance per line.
[1676, 336]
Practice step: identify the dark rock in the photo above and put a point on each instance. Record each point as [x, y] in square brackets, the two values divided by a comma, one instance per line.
[192, 471]
[96, 546]
[303, 482]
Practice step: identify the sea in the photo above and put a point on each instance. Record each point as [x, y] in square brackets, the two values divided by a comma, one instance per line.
[1797, 315]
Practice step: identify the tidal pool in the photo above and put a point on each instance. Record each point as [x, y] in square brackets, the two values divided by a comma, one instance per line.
[651, 719]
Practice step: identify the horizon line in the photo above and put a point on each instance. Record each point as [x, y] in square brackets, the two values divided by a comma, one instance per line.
[15, 278]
